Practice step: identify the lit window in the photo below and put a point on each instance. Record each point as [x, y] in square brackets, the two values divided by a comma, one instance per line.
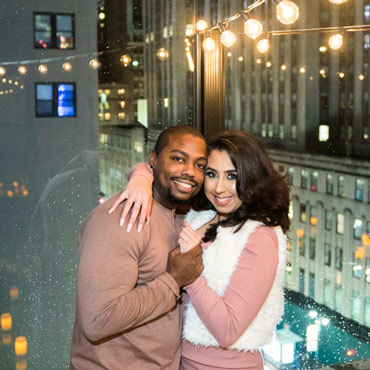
[356, 267]
[327, 254]
[313, 216]
[54, 31]
[338, 258]
[293, 131]
[341, 186]
[323, 133]
[367, 271]
[329, 183]
[304, 179]
[356, 306]
[359, 189]
[121, 115]
[55, 100]
[328, 220]
[367, 13]
[340, 223]
[291, 175]
[314, 177]
[357, 228]
[302, 245]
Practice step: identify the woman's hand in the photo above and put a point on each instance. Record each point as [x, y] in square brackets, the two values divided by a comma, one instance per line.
[138, 193]
[188, 239]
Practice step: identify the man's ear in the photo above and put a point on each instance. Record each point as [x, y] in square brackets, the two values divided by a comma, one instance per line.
[152, 159]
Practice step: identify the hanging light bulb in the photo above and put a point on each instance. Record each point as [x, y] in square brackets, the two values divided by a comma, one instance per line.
[2, 71]
[201, 25]
[287, 12]
[67, 66]
[263, 45]
[337, 1]
[253, 28]
[336, 41]
[125, 60]
[209, 44]
[43, 68]
[162, 54]
[228, 38]
[94, 63]
[22, 70]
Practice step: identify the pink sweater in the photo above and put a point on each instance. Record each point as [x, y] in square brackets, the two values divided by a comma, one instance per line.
[228, 317]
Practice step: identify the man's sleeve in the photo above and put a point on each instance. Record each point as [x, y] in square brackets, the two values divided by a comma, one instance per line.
[109, 300]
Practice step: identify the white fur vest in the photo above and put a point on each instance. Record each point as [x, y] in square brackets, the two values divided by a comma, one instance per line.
[220, 260]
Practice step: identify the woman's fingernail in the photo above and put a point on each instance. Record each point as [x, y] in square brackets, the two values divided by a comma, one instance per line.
[139, 228]
[147, 222]
[121, 222]
[129, 226]
[110, 211]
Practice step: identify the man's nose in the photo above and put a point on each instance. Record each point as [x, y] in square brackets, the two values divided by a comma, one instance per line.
[188, 169]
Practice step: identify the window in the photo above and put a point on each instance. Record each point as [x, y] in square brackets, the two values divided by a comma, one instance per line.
[340, 223]
[359, 189]
[54, 31]
[328, 220]
[356, 306]
[327, 254]
[338, 258]
[329, 184]
[368, 192]
[303, 215]
[338, 298]
[357, 228]
[314, 177]
[341, 187]
[302, 245]
[367, 271]
[312, 248]
[304, 179]
[327, 292]
[313, 216]
[367, 311]
[357, 267]
[291, 175]
[301, 281]
[311, 285]
[55, 100]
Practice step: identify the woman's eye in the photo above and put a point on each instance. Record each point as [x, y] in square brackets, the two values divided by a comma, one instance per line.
[232, 176]
[210, 174]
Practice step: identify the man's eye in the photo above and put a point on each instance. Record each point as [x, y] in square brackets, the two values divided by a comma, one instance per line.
[177, 159]
[201, 166]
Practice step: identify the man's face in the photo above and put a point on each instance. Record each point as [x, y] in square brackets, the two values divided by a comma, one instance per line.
[179, 169]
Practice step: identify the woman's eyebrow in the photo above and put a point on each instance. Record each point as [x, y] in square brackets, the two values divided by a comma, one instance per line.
[228, 171]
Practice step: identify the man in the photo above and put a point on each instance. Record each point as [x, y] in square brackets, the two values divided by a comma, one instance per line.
[128, 285]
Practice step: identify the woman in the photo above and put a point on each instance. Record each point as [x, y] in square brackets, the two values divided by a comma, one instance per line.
[232, 309]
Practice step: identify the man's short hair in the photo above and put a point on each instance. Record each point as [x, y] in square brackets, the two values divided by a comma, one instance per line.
[164, 136]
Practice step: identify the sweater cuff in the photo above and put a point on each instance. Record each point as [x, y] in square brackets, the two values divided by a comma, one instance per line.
[168, 280]
[195, 285]
[142, 169]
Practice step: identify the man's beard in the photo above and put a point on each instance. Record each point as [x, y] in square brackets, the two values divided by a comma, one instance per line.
[174, 200]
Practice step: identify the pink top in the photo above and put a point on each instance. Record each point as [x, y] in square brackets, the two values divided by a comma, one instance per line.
[228, 317]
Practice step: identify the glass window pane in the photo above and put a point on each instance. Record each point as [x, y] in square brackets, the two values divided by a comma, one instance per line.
[65, 40]
[44, 109]
[66, 100]
[44, 92]
[42, 39]
[64, 23]
[42, 22]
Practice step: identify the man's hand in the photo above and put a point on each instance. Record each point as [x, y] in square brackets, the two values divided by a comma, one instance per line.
[185, 267]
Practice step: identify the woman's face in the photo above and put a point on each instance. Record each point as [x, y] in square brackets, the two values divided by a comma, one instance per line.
[220, 183]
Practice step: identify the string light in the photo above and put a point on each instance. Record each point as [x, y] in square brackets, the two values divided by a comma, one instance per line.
[258, 61]
[125, 60]
[341, 74]
[22, 70]
[201, 25]
[229, 54]
[361, 77]
[337, 1]
[302, 70]
[336, 41]
[253, 28]
[43, 68]
[287, 12]
[94, 63]
[67, 66]
[2, 71]
[263, 45]
[240, 59]
[322, 49]
[283, 67]
[209, 44]
[268, 64]
[162, 54]
[228, 38]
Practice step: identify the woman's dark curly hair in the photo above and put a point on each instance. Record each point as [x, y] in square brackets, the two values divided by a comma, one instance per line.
[263, 191]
